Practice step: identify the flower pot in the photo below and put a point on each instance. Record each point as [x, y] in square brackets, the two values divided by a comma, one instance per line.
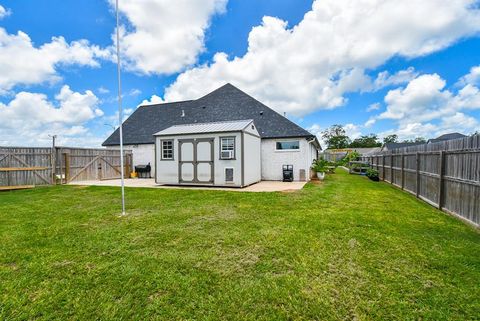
[321, 175]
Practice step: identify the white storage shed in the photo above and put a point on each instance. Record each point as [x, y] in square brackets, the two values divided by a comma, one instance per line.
[216, 154]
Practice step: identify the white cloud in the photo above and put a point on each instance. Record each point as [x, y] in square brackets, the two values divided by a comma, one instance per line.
[102, 90]
[425, 107]
[23, 63]
[353, 131]
[375, 106]
[370, 122]
[4, 12]
[472, 78]
[152, 101]
[29, 118]
[134, 92]
[385, 79]
[164, 37]
[312, 65]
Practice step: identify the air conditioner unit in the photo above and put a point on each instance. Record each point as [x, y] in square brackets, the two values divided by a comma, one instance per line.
[228, 154]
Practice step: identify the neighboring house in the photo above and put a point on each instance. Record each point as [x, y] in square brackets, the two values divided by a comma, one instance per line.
[446, 137]
[391, 146]
[282, 142]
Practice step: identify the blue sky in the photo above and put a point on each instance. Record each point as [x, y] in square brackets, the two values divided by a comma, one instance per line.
[419, 75]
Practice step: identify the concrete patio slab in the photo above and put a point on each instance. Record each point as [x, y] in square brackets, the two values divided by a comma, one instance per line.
[263, 186]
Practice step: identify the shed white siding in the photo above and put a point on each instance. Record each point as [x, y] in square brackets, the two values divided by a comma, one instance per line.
[168, 170]
[273, 159]
[252, 161]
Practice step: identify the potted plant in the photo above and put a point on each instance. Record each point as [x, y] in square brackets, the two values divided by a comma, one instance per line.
[372, 174]
[319, 166]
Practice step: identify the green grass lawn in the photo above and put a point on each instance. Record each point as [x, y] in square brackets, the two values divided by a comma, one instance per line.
[348, 249]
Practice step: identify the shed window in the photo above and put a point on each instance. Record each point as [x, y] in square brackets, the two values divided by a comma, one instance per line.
[227, 148]
[167, 149]
[288, 145]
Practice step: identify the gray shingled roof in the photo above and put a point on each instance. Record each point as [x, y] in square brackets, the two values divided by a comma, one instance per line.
[390, 146]
[227, 103]
[445, 137]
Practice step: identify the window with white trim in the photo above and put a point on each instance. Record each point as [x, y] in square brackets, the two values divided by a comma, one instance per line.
[167, 149]
[227, 148]
[288, 145]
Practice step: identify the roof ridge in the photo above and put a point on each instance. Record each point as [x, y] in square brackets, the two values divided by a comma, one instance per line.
[168, 103]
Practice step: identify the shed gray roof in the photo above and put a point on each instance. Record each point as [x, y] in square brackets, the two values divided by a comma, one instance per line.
[217, 127]
[227, 103]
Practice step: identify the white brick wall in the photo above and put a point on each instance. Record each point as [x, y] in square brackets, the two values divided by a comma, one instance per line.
[142, 154]
[273, 160]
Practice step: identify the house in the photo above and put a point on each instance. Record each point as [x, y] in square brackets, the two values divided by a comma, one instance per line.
[392, 146]
[445, 137]
[217, 115]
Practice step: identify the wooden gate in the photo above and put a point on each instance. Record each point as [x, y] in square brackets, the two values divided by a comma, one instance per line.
[25, 167]
[85, 164]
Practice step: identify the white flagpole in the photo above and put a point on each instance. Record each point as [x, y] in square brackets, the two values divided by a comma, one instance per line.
[120, 110]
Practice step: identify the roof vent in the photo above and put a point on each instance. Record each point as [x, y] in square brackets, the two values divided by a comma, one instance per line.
[261, 113]
[203, 107]
[183, 113]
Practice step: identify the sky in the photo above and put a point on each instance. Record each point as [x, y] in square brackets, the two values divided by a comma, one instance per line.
[410, 68]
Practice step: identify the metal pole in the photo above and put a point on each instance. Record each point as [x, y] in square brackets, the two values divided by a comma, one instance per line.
[120, 110]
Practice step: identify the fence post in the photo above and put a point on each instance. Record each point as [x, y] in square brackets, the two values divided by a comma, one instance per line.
[417, 187]
[53, 162]
[383, 167]
[391, 169]
[66, 160]
[441, 170]
[403, 171]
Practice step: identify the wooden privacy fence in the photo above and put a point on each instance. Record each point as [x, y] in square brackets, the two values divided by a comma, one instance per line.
[84, 164]
[445, 175]
[25, 167]
[22, 167]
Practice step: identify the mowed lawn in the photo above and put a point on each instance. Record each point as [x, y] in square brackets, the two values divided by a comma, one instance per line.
[346, 249]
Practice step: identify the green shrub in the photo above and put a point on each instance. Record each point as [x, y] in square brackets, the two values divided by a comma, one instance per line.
[319, 165]
[372, 174]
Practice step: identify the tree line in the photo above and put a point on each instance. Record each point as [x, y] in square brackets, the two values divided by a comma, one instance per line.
[336, 138]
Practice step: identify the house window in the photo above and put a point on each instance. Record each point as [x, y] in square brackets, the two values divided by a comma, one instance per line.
[288, 145]
[167, 149]
[227, 148]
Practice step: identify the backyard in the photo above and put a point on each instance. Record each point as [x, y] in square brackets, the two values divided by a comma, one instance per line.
[346, 248]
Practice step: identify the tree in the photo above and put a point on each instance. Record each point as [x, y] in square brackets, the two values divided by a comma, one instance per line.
[390, 139]
[336, 137]
[366, 141]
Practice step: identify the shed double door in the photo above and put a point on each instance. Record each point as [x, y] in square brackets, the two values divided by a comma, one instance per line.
[196, 164]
